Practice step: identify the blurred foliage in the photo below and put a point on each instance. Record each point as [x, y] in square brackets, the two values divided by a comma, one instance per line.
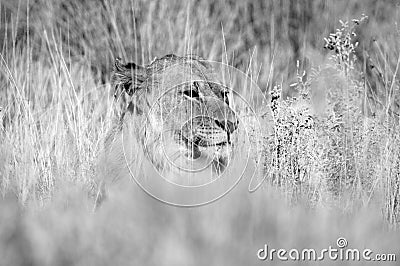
[140, 30]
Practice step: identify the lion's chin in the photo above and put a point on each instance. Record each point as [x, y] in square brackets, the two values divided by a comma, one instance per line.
[219, 155]
[192, 158]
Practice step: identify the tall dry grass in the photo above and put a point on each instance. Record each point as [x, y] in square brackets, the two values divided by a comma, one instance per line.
[337, 177]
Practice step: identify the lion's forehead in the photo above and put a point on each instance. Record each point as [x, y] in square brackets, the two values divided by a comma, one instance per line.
[169, 86]
[165, 76]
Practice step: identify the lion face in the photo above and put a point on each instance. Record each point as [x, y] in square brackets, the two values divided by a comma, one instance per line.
[183, 111]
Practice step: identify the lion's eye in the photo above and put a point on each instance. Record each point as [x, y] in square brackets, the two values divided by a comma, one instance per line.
[193, 91]
[225, 96]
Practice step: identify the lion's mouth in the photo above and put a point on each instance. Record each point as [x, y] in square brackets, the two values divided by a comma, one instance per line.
[223, 143]
[195, 150]
[207, 142]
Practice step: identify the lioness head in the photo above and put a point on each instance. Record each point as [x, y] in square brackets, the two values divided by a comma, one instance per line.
[181, 110]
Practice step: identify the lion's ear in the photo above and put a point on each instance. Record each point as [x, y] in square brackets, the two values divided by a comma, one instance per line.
[127, 77]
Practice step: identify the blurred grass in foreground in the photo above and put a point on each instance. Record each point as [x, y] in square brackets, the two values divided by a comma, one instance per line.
[134, 229]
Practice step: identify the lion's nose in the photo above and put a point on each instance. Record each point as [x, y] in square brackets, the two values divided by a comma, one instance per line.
[228, 126]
